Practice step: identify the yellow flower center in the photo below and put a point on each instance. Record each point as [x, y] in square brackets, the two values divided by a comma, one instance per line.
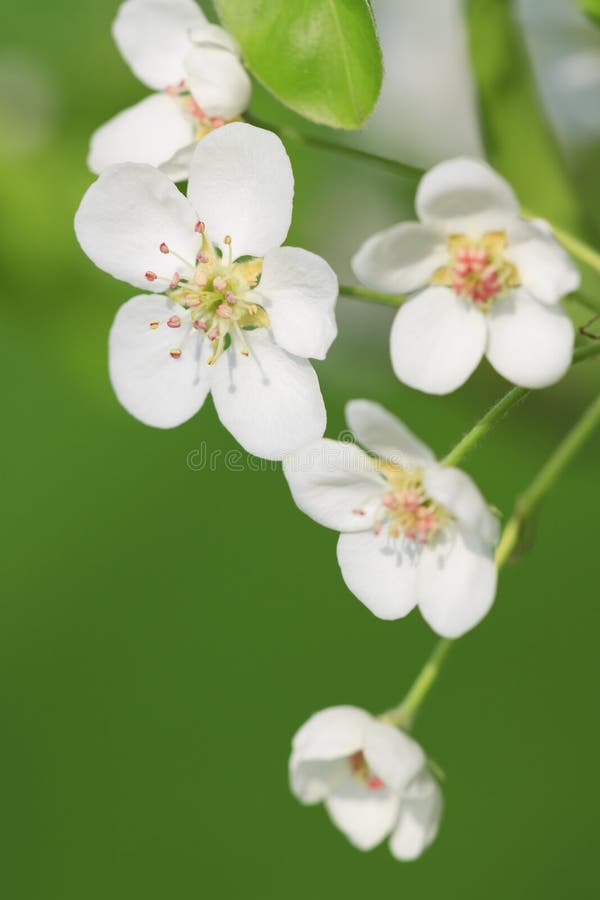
[478, 268]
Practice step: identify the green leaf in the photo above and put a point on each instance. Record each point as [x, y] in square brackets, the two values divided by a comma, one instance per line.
[518, 140]
[591, 8]
[319, 57]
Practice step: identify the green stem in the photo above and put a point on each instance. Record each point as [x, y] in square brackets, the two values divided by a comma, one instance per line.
[362, 293]
[499, 409]
[286, 133]
[485, 424]
[545, 479]
[403, 715]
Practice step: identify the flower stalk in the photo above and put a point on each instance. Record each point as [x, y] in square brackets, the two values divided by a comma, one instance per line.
[526, 504]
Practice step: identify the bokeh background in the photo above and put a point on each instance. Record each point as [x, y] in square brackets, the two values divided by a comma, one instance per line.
[149, 686]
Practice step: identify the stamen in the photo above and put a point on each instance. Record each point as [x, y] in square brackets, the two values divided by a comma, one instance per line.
[154, 324]
[174, 322]
[224, 311]
[163, 248]
[175, 353]
[151, 276]
[219, 283]
[175, 281]
[200, 227]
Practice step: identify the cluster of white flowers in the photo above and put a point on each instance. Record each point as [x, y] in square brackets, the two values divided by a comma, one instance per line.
[226, 309]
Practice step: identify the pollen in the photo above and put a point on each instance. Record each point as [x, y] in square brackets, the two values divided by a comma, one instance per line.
[478, 269]
[405, 509]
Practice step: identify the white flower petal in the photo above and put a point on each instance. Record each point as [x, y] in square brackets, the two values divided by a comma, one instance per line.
[363, 814]
[384, 434]
[125, 216]
[299, 291]
[151, 385]
[178, 167]
[218, 81]
[465, 196]
[153, 37]
[241, 184]
[334, 483]
[313, 780]
[546, 270]
[269, 400]
[333, 733]
[401, 258]
[530, 343]
[419, 819]
[392, 755]
[457, 493]
[381, 572]
[150, 132]
[456, 583]
[437, 341]
[209, 35]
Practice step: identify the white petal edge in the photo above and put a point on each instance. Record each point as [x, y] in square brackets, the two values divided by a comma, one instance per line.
[151, 385]
[299, 290]
[545, 269]
[153, 37]
[150, 132]
[335, 483]
[530, 343]
[311, 781]
[333, 733]
[437, 341]
[384, 434]
[217, 81]
[456, 584]
[269, 400]
[380, 572]
[125, 216]
[465, 195]
[400, 258]
[365, 816]
[419, 819]
[454, 490]
[241, 185]
[392, 755]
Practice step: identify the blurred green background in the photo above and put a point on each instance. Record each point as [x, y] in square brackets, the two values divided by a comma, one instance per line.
[149, 690]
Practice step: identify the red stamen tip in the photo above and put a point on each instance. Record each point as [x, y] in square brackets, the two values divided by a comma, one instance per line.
[200, 227]
[151, 276]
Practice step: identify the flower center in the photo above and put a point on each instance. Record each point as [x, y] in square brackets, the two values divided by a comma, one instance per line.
[202, 122]
[478, 268]
[215, 295]
[360, 769]
[405, 509]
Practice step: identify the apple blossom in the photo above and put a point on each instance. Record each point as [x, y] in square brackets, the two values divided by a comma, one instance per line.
[488, 283]
[413, 532]
[231, 311]
[373, 779]
[195, 67]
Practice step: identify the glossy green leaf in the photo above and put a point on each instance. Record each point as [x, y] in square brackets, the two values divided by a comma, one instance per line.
[319, 57]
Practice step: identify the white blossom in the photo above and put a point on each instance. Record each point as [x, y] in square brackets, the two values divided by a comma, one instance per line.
[487, 282]
[373, 779]
[231, 311]
[195, 68]
[413, 532]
